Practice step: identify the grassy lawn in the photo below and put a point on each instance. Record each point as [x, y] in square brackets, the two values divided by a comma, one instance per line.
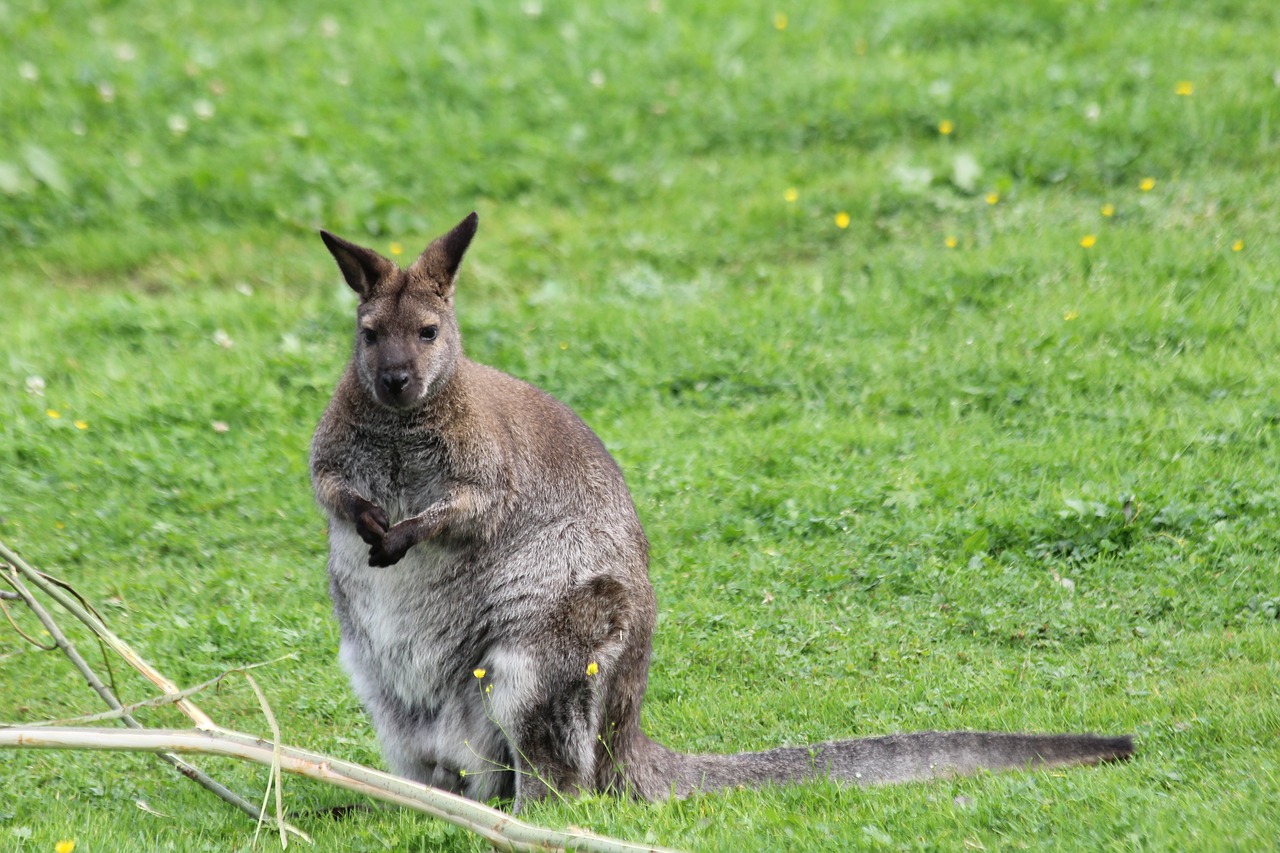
[938, 341]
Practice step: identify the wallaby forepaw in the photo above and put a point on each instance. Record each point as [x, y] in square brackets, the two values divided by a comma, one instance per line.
[372, 524]
[392, 547]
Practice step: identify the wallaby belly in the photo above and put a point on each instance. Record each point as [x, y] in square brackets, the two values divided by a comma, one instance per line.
[411, 641]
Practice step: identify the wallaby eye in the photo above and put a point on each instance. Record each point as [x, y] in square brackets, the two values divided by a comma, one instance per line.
[428, 333]
[369, 335]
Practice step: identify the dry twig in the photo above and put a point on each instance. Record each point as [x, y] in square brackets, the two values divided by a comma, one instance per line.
[500, 829]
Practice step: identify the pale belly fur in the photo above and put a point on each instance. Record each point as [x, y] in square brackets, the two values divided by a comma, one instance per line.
[405, 645]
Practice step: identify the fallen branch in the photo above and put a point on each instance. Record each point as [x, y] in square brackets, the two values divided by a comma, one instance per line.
[499, 828]
[61, 642]
[94, 624]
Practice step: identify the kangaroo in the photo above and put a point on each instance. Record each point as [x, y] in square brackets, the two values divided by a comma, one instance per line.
[490, 578]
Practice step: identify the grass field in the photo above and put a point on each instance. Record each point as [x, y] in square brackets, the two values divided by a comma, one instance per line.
[938, 342]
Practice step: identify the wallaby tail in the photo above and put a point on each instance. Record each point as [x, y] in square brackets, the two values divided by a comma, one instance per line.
[659, 772]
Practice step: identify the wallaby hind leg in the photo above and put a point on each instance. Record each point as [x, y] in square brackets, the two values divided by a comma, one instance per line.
[549, 698]
[550, 717]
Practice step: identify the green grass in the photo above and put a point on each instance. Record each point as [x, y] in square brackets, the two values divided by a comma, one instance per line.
[867, 461]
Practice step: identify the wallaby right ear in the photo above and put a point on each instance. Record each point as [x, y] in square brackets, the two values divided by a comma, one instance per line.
[362, 268]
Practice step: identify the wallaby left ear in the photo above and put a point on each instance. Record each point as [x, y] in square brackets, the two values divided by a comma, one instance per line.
[362, 268]
[440, 260]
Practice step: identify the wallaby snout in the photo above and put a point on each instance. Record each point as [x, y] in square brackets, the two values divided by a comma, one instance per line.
[394, 381]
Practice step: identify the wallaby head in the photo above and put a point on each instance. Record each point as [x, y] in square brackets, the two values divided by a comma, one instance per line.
[407, 341]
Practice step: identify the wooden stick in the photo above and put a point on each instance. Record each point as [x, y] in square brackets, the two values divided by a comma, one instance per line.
[187, 769]
[500, 829]
[94, 624]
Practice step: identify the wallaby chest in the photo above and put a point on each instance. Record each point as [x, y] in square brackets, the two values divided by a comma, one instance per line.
[404, 470]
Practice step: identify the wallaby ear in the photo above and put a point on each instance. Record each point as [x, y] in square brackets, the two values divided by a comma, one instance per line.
[440, 260]
[361, 267]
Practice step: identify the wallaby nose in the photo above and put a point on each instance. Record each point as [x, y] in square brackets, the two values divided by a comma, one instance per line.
[394, 381]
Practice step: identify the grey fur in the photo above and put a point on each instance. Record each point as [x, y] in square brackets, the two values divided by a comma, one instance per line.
[477, 524]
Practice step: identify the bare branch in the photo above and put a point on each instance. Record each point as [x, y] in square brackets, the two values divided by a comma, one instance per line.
[500, 829]
[154, 702]
[94, 624]
[61, 641]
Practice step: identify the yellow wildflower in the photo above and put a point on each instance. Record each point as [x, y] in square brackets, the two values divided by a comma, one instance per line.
[780, 21]
[1070, 315]
[1237, 246]
[1108, 210]
[1088, 241]
[53, 413]
[842, 220]
[946, 126]
[1184, 88]
[593, 668]
[791, 194]
[82, 425]
[397, 249]
[64, 846]
[992, 198]
[478, 673]
[951, 242]
[1147, 184]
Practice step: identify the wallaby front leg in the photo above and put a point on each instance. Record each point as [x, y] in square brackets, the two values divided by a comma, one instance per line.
[403, 536]
[339, 498]
[452, 512]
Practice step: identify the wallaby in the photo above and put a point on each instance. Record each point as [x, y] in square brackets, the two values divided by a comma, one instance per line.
[490, 577]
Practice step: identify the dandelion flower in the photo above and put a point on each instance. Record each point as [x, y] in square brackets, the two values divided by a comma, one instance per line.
[780, 21]
[82, 425]
[1147, 184]
[946, 126]
[65, 846]
[53, 413]
[1088, 241]
[1070, 315]
[951, 242]
[593, 668]
[1237, 246]
[397, 249]
[1108, 210]
[992, 198]
[1184, 88]
[842, 220]
[478, 672]
[791, 195]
